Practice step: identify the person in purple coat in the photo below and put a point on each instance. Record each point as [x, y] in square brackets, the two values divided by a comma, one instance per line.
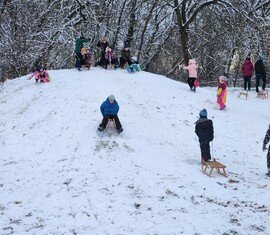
[109, 110]
[247, 71]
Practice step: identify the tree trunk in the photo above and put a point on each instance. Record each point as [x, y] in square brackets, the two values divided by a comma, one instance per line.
[132, 24]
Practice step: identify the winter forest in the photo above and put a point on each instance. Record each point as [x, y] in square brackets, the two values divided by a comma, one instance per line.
[220, 34]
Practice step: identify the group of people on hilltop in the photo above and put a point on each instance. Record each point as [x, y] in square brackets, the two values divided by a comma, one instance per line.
[108, 56]
[248, 70]
[203, 126]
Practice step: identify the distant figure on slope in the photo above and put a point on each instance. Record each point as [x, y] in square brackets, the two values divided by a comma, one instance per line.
[109, 109]
[125, 57]
[247, 71]
[86, 57]
[103, 44]
[135, 66]
[205, 131]
[265, 142]
[260, 73]
[78, 53]
[41, 75]
[110, 58]
[222, 92]
[192, 73]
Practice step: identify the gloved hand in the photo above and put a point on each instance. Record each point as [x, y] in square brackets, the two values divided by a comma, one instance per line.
[264, 148]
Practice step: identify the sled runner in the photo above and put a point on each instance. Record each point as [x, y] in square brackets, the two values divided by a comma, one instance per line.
[243, 93]
[262, 94]
[220, 168]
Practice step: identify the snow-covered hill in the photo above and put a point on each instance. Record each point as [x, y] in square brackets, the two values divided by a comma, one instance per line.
[59, 176]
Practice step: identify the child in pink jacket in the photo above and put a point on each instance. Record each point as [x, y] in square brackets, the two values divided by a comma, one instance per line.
[222, 92]
[192, 73]
[40, 75]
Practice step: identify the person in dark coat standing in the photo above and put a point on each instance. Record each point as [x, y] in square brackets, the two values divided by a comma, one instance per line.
[109, 109]
[125, 57]
[205, 131]
[103, 44]
[265, 142]
[247, 71]
[260, 72]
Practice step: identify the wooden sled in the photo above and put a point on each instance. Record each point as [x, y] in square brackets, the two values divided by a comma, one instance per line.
[219, 167]
[110, 125]
[262, 94]
[243, 93]
[111, 66]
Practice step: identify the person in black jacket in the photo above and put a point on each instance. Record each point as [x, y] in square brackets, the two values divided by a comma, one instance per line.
[260, 73]
[103, 44]
[205, 131]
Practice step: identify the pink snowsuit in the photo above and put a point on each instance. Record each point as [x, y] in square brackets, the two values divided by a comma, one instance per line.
[222, 94]
[43, 76]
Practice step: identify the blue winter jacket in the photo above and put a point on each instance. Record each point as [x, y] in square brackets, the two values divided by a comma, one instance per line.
[109, 109]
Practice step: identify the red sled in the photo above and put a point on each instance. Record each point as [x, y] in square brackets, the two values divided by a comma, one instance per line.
[196, 83]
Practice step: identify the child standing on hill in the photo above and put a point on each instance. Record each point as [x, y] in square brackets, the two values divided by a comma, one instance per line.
[222, 92]
[265, 142]
[192, 73]
[205, 131]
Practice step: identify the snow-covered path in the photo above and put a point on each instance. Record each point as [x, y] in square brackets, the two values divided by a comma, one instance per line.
[59, 176]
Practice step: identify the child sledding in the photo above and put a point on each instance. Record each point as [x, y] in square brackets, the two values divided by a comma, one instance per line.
[134, 66]
[40, 75]
[192, 74]
[109, 110]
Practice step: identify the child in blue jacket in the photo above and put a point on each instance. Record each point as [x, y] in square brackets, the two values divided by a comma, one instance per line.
[109, 109]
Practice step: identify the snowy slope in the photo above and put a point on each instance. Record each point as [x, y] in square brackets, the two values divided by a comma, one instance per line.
[59, 176]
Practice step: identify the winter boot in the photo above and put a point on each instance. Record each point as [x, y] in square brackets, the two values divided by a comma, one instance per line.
[120, 130]
[101, 128]
[268, 173]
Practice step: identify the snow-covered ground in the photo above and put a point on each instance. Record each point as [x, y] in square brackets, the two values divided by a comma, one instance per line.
[59, 176]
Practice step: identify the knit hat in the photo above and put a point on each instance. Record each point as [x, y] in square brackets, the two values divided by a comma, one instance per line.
[222, 78]
[111, 97]
[261, 56]
[203, 113]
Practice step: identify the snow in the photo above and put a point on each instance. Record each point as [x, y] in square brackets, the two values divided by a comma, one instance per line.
[59, 176]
